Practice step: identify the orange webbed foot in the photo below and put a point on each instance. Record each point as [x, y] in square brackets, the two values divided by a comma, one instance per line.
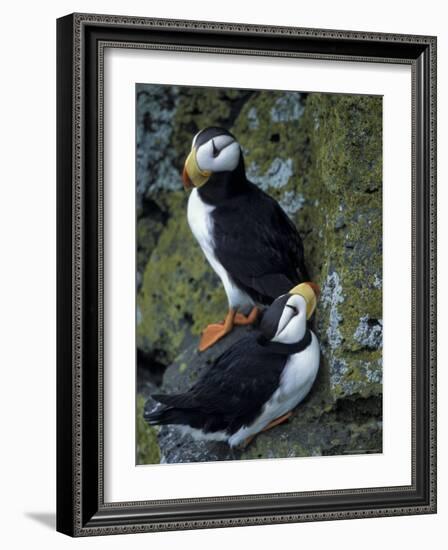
[211, 335]
[250, 319]
[276, 422]
[214, 332]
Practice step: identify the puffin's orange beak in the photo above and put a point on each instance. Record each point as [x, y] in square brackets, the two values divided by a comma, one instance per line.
[188, 184]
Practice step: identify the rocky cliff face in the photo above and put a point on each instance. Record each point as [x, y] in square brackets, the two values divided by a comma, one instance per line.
[320, 156]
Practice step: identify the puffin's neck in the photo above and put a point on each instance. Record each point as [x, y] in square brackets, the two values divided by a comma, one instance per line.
[286, 349]
[224, 185]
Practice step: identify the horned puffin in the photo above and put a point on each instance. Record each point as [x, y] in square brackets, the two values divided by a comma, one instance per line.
[245, 235]
[255, 384]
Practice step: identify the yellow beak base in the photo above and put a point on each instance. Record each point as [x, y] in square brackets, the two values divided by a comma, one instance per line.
[306, 291]
[196, 175]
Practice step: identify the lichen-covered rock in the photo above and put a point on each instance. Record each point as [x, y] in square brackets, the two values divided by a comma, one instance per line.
[155, 163]
[177, 284]
[320, 156]
[148, 451]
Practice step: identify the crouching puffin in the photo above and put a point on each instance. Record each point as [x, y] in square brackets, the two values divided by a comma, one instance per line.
[254, 385]
[245, 235]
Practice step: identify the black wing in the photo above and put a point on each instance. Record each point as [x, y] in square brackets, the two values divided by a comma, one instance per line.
[232, 392]
[258, 245]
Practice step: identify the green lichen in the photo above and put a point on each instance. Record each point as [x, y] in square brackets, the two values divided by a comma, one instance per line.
[180, 293]
[305, 435]
[346, 198]
[148, 451]
[183, 367]
[148, 232]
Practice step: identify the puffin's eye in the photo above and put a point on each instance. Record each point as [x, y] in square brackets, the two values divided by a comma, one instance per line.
[295, 310]
[215, 149]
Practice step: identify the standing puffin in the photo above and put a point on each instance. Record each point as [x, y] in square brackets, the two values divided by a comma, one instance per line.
[254, 385]
[245, 235]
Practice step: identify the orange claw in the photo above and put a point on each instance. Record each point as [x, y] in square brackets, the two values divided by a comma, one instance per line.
[241, 319]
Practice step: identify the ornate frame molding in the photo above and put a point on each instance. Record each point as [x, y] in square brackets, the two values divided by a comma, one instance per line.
[81, 42]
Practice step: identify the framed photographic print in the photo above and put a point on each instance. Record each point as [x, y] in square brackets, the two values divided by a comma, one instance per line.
[246, 274]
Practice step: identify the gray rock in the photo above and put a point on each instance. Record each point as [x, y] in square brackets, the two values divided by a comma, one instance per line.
[369, 332]
[276, 176]
[287, 108]
[155, 169]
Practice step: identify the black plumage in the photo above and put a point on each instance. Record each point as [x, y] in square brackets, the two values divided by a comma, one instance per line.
[254, 239]
[230, 394]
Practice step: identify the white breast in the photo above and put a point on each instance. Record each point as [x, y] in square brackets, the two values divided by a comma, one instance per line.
[201, 224]
[200, 221]
[295, 383]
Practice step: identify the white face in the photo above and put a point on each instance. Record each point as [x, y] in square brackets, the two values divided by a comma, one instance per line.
[219, 154]
[292, 325]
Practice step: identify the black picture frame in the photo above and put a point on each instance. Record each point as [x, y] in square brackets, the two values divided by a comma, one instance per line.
[81, 39]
